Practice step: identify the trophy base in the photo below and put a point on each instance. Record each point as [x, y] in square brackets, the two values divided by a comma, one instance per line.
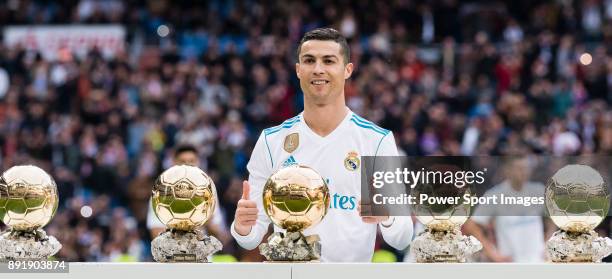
[444, 246]
[566, 247]
[27, 245]
[292, 247]
[184, 246]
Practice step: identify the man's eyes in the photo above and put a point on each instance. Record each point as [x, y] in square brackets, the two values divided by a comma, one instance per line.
[326, 61]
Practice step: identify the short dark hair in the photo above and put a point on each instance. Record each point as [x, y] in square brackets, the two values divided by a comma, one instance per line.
[184, 148]
[326, 34]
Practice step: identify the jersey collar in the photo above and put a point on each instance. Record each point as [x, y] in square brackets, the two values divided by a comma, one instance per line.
[335, 133]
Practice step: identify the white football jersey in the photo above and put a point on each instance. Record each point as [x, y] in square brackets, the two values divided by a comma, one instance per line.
[344, 236]
[521, 236]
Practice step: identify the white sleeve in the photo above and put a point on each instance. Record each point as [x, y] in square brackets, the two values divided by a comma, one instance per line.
[260, 168]
[484, 213]
[386, 146]
[399, 233]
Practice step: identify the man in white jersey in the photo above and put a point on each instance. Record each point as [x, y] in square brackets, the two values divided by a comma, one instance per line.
[520, 237]
[330, 138]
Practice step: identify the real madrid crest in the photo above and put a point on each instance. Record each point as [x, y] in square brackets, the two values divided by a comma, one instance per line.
[351, 162]
[292, 141]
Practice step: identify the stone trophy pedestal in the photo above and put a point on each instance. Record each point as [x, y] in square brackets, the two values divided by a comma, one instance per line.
[184, 246]
[564, 247]
[444, 246]
[30, 245]
[292, 247]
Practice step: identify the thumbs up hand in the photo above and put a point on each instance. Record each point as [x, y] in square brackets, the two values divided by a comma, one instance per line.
[246, 212]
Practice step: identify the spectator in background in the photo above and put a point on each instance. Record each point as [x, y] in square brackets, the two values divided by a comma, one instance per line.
[519, 232]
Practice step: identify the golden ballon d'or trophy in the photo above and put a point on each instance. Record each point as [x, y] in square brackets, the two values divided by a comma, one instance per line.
[442, 240]
[577, 200]
[28, 201]
[295, 198]
[184, 199]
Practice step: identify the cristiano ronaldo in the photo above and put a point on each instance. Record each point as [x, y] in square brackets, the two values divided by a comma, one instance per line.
[328, 137]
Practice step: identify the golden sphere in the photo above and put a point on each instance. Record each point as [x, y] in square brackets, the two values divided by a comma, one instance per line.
[296, 198]
[442, 216]
[577, 198]
[28, 198]
[184, 197]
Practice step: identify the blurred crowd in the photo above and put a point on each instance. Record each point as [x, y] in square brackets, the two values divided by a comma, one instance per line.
[447, 77]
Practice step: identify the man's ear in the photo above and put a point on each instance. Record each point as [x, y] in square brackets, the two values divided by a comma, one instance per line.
[297, 70]
[348, 70]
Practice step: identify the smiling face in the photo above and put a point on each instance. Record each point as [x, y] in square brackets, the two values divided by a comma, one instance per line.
[322, 71]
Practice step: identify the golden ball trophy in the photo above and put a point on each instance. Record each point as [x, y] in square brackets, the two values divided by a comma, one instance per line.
[184, 199]
[28, 201]
[295, 198]
[577, 200]
[442, 240]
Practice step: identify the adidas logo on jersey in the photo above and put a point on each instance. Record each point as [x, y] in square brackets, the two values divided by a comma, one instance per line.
[290, 161]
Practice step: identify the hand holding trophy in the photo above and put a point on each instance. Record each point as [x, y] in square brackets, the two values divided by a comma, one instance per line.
[295, 198]
[28, 201]
[184, 199]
